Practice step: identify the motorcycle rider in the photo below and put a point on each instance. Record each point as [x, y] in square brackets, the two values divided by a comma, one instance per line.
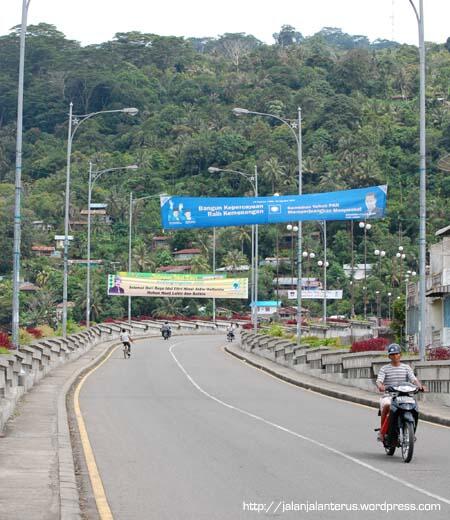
[393, 374]
[166, 327]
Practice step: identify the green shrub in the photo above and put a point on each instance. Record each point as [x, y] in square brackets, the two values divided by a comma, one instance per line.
[72, 328]
[25, 337]
[332, 342]
[47, 331]
[276, 330]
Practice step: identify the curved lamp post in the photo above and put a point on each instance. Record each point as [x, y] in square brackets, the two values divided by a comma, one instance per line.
[75, 121]
[422, 177]
[93, 176]
[130, 221]
[253, 180]
[18, 181]
[292, 125]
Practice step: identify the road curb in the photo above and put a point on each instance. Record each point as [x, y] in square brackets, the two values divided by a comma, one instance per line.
[373, 403]
[68, 487]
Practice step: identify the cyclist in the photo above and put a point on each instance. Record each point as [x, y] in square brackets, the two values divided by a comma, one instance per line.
[126, 340]
[230, 331]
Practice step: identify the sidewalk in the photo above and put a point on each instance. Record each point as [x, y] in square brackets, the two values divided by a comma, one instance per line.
[37, 474]
[432, 412]
[37, 478]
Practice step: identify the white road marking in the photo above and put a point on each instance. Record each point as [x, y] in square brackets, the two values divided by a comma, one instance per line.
[308, 439]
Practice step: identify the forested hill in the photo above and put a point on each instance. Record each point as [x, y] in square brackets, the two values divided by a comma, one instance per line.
[359, 105]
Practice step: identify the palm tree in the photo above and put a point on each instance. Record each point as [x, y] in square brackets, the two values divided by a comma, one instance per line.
[168, 307]
[331, 181]
[142, 258]
[42, 278]
[274, 171]
[241, 234]
[41, 308]
[234, 259]
[199, 264]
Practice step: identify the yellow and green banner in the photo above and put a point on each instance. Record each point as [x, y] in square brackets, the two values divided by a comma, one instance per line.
[166, 285]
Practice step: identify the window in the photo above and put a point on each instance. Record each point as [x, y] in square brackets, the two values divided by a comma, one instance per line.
[447, 311]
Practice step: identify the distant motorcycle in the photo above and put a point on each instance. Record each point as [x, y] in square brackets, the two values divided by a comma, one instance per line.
[166, 333]
[230, 336]
[400, 424]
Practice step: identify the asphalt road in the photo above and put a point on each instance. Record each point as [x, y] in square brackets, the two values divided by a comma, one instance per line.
[183, 430]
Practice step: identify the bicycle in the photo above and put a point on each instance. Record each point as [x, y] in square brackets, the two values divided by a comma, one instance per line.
[126, 351]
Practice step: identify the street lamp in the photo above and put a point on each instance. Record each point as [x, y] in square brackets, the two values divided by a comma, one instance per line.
[380, 254]
[366, 226]
[389, 305]
[323, 226]
[130, 222]
[400, 257]
[378, 298]
[293, 229]
[292, 125]
[76, 121]
[18, 180]
[352, 271]
[324, 264]
[422, 183]
[308, 255]
[93, 176]
[253, 180]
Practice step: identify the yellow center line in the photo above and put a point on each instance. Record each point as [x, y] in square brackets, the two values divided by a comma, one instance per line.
[94, 475]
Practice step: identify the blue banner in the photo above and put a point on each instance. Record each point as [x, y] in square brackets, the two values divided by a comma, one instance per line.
[200, 212]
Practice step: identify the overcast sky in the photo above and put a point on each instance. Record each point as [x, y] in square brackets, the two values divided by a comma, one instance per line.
[96, 21]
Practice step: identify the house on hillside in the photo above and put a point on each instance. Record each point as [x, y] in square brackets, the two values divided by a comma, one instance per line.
[42, 250]
[186, 254]
[160, 242]
[285, 284]
[98, 214]
[267, 308]
[59, 240]
[77, 225]
[40, 225]
[174, 269]
[272, 261]
[60, 308]
[28, 287]
[230, 269]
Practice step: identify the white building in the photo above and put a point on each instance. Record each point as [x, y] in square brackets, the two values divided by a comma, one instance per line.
[437, 325]
[358, 271]
[267, 308]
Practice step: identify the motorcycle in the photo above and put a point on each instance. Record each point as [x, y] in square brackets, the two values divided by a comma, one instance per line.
[166, 333]
[399, 426]
[230, 336]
